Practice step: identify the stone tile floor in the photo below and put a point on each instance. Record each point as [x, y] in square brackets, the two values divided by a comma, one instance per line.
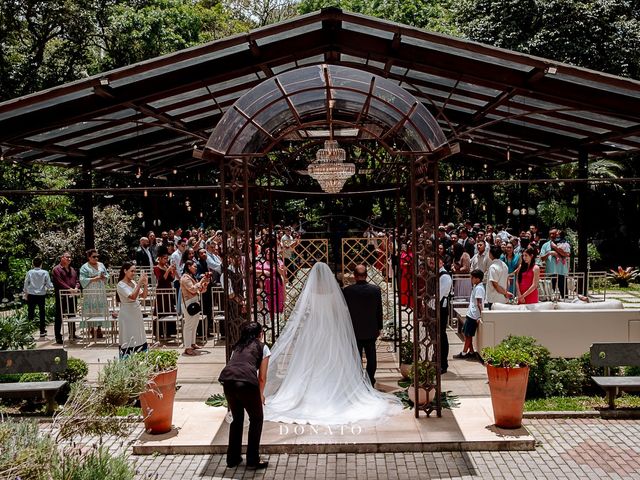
[567, 449]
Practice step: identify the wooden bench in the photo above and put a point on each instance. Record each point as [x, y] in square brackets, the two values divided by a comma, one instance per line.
[609, 355]
[29, 361]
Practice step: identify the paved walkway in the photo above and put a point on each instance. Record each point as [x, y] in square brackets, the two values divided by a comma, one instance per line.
[567, 449]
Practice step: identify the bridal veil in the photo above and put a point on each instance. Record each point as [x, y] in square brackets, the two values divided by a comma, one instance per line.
[315, 374]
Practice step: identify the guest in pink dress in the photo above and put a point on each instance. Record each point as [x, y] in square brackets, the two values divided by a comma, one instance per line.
[273, 275]
[528, 277]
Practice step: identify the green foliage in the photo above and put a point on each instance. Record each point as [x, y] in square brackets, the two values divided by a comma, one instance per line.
[160, 360]
[217, 400]
[25, 452]
[121, 381]
[557, 212]
[632, 371]
[622, 276]
[97, 463]
[35, 377]
[76, 371]
[406, 352]
[10, 377]
[563, 377]
[426, 374]
[16, 331]
[578, 403]
[592, 251]
[515, 351]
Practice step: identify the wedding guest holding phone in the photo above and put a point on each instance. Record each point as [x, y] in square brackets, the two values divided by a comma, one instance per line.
[133, 338]
[93, 279]
[191, 288]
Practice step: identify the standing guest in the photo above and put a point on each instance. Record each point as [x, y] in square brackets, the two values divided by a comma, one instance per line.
[446, 258]
[153, 246]
[190, 289]
[288, 244]
[406, 276]
[512, 261]
[164, 236]
[498, 278]
[243, 380]
[528, 277]
[446, 285]
[93, 279]
[133, 338]
[552, 254]
[365, 306]
[143, 254]
[65, 277]
[562, 262]
[474, 316]
[466, 241]
[481, 260]
[36, 284]
[214, 261]
[275, 278]
[460, 267]
[165, 276]
[202, 272]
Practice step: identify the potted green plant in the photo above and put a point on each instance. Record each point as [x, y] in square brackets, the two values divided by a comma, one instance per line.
[508, 371]
[406, 358]
[157, 399]
[426, 374]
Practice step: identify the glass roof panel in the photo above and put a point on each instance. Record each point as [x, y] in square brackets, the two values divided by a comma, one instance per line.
[277, 69]
[173, 66]
[200, 116]
[607, 87]
[226, 129]
[121, 138]
[350, 58]
[560, 121]
[50, 158]
[557, 131]
[98, 134]
[189, 108]
[313, 60]
[271, 117]
[376, 32]
[58, 132]
[428, 128]
[33, 107]
[606, 119]
[198, 92]
[297, 31]
[250, 140]
[465, 53]
[308, 103]
[233, 82]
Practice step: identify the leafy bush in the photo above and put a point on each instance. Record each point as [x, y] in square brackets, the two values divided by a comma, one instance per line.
[563, 377]
[98, 463]
[426, 374]
[35, 377]
[16, 331]
[161, 360]
[76, 370]
[540, 355]
[9, 377]
[121, 381]
[25, 453]
[632, 371]
[516, 351]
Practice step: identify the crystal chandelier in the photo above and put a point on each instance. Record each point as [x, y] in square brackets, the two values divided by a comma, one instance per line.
[329, 169]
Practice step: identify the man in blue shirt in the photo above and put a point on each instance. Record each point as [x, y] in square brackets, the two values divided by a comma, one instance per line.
[36, 284]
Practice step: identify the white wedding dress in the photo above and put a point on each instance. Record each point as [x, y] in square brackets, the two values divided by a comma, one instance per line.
[315, 374]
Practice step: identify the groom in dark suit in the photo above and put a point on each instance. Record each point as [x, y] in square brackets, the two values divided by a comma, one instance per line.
[365, 306]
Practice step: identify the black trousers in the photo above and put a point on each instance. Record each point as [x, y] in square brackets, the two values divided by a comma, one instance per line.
[444, 340]
[561, 282]
[243, 396]
[32, 302]
[70, 305]
[369, 348]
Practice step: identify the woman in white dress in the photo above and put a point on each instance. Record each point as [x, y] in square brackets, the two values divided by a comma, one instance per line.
[315, 374]
[133, 337]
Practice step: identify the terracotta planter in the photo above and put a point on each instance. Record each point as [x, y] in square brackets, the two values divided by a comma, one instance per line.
[423, 399]
[157, 402]
[508, 389]
[405, 368]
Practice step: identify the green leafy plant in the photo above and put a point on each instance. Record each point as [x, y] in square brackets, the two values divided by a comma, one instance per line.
[540, 355]
[622, 276]
[426, 373]
[35, 377]
[160, 360]
[406, 352]
[121, 381]
[510, 353]
[16, 331]
[25, 452]
[563, 377]
[97, 463]
[632, 371]
[77, 370]
[217, 400]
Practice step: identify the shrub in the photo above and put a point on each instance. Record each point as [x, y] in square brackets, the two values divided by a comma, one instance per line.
[540, 355]
[589, 387]
[25, 453]
[98, 463]
[16, 331]
[35, 377]
[123, 380]
[10, 377]
[632, 371]
[426, 374]
[563, 377]
[76, 370]
[161, 360]
[406, 352]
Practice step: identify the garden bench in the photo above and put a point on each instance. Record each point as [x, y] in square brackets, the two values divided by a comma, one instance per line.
[29, 361]
[609, 355]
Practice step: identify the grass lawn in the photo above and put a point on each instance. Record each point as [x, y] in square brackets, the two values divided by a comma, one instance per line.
[577, 404]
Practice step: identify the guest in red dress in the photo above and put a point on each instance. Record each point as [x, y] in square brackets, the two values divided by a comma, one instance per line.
[406, 277]
[528, 277]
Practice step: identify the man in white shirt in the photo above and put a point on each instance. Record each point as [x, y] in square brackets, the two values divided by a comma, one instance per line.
[176, 257]
[446, 284]
[481, 261]
[288, 246]
[498, 278]
[36, 284]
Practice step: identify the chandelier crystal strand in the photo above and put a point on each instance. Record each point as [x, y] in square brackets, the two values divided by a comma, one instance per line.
[329, 169]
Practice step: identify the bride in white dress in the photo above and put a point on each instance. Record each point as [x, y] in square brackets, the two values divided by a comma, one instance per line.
[315, 374]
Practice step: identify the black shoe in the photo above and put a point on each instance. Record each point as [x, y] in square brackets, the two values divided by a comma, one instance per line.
[258, 466]
[462, 356]
[235, 463]
[59, 341]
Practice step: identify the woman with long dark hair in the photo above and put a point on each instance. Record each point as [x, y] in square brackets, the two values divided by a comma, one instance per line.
[243, 380]
[133, 337]
[528, 277]
[190, 288]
